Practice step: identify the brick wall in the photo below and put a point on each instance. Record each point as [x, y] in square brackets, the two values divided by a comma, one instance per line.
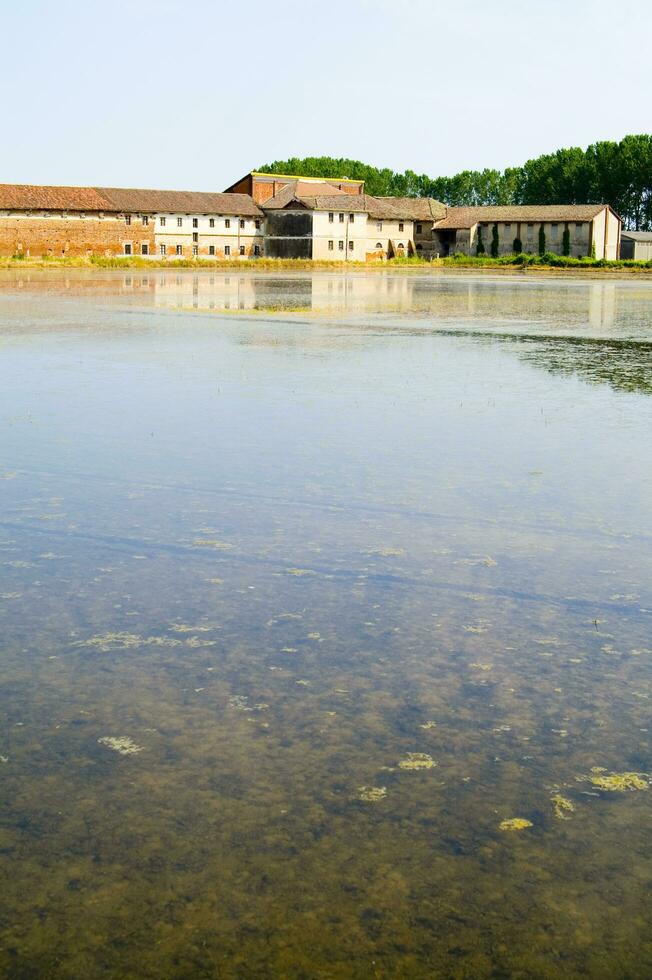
[36, 236]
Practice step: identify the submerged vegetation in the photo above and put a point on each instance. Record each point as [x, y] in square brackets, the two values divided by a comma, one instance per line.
[515, 823]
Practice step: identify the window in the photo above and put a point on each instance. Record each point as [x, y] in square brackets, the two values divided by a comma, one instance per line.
[144, 249]
[331, 217]
[401, 226]
[352, 218]
[162, 222]
[341, 217]
[379, 245]
[379, 225]
[195, 236]
[256, 249]
[127, 248]
[227, 222]
[195, 249]
[211, 250]
[419, 228]
[508, 226]
[242, 224]
[179, 249]
[195, 222]
[227, 250]
[400, 245]
[330, 245]
[162, 249]
[242, 250]
[578, 226]
[257, 222]
[350, 246]
[127, 219]
[145, 219]
[340, 245]
[179, 222]
[211, 222]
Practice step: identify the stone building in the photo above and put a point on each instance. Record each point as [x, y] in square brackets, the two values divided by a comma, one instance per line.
[284, 217]
[73, 221]
[261, 187]
[316, 221]
[636, 245]
[590, 226]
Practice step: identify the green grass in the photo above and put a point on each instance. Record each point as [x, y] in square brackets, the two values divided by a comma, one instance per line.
[460, 261]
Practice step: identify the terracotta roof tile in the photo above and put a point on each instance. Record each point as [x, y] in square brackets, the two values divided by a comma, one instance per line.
[417, 208]
[31, 197]
[198, 202]
[467, 217]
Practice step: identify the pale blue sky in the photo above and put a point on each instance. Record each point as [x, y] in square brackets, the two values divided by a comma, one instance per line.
[194, 94]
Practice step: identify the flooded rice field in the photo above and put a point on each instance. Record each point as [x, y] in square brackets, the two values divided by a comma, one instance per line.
[326, 626]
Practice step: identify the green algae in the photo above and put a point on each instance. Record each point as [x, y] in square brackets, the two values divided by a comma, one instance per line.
[372, 794]
[562, 806]
[620, 782]
[417, 761]
[515, 823]
[212, 543]
[121, 744]
[121, 640]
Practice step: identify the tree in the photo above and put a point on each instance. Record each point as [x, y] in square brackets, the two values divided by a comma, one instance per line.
[619, 174]
[479, 248]
[565, 242]
[542, 240]
[494, 242]
[517, 246]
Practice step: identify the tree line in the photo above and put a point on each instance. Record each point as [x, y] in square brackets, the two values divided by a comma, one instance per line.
[619, 174]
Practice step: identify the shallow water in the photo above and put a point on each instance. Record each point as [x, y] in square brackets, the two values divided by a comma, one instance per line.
[308, 583]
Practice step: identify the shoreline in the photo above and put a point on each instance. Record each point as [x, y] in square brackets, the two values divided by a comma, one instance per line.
[583, 271]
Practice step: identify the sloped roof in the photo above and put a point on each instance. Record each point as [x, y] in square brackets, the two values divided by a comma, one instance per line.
[375, 207]
[299, 189]
[33, 197]
[467, 217]
[417, 208]
[638, 236]
[28, 197]
[131, 199]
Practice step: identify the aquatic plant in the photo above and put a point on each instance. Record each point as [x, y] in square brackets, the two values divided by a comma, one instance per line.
[620, 781]
[372, 794]
[121, 744]
[515, 823]
[562, 806]
[417, 760]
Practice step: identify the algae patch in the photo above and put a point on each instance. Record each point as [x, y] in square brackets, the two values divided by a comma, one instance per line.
[106, 642]
[416, 761]
[121, 744]
[372, 794]
[562, 806]
[620, 782]
[515, 823]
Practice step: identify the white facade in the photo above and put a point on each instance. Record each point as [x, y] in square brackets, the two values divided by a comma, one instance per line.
[355, 236]
[204, 235]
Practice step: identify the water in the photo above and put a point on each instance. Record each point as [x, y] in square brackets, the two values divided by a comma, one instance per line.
[308, 584]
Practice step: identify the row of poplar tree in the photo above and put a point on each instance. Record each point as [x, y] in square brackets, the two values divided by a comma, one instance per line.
[619, 174]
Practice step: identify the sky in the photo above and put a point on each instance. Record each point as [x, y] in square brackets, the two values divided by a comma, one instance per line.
[192, 95]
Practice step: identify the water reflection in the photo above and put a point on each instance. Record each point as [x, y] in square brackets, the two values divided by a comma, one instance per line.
[572, 307]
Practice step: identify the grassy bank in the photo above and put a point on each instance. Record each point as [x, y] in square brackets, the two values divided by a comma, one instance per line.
[507, 263]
